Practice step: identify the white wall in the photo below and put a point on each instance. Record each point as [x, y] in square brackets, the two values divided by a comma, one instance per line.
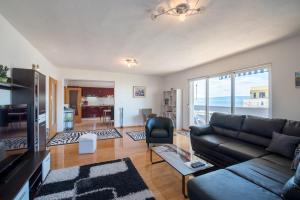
[123, 92]
[16, 51]
[284, 57]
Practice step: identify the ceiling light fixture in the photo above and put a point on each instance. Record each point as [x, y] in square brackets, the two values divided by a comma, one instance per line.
[130, 62]
[181, 9]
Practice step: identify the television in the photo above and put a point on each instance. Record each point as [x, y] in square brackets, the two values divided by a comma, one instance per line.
[14, 123]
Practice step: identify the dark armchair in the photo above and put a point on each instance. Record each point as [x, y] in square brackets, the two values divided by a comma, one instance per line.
[159, 130]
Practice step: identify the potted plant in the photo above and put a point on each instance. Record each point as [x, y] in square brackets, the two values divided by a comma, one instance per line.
[3, 74]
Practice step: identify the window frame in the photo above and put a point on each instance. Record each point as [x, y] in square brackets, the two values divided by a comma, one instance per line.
[232, 73]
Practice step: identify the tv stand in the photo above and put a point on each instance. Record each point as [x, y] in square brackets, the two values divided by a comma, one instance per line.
[25, 179]
[7, 165]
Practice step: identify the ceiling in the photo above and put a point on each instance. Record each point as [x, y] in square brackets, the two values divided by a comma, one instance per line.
[98, 34]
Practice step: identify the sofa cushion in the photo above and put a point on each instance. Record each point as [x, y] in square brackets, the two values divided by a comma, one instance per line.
[214, 156]
[278, 159]
[212, 140]
[283, 144]
[262, 126]
[159, 133]
[241, 151]
[254, 139]
[225, 185]
[226, 124]
[232, 122]
[263, 173]
[292, 128]
[258, 130]
[224, 131]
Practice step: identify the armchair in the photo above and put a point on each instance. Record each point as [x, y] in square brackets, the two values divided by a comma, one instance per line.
[159, 130]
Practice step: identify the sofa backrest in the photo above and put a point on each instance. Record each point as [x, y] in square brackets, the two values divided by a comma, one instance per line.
[258, 130]
[226, 124]
[159, 123]
[292, 128]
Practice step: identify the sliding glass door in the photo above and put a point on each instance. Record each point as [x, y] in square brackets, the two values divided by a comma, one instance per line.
[245, 92]
[219, 94]
[198, 102]
[252, 92]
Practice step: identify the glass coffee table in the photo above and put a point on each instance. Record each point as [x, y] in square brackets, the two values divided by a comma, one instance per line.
[181, 161]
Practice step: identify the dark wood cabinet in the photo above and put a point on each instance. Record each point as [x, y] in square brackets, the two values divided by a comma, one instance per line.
[93, 111]
[90, 111]
[97, 92]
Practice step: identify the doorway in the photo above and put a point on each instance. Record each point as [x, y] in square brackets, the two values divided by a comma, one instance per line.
[52, 107]
[73, 99]
[92, 103]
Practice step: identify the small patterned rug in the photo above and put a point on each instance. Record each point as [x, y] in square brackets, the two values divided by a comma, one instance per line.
[137, 135]
[15, 143]
[71, 137]
[141, 135]
[183, 132]
[117, 179]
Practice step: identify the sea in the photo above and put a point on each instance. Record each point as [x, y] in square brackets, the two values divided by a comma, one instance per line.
[222, 101]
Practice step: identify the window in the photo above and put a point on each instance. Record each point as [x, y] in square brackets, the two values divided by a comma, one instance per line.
[219, 94]
[198, 114]
[241, 92]
[251, 92]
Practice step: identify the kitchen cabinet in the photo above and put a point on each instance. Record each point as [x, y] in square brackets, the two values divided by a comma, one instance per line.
[90, 111]
[108, 92]
[97, 92]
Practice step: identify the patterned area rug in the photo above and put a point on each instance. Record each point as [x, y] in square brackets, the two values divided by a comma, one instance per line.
[118, 180]
[141, 135]
[137, 135]
[15, 143]
[184, 132]
[73, 136]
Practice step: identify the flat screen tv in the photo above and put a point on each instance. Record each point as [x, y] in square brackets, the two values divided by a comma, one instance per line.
[13, 134]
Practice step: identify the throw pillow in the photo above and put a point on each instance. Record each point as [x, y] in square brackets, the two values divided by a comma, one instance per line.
[296, 160]
[283, 144]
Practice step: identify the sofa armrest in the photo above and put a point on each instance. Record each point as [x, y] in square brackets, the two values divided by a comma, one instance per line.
[200, 130]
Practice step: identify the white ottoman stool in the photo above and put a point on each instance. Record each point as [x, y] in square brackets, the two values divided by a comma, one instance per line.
[87, 143]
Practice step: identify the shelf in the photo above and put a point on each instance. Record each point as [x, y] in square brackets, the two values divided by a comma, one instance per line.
[9, 86]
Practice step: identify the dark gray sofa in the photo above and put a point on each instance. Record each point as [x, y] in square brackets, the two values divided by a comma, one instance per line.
[237, 143]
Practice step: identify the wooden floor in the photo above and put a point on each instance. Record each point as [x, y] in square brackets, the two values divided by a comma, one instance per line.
[163, 181]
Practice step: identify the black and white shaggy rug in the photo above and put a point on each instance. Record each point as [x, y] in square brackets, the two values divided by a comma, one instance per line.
[118, 180]
[71, 137]
[137, 135]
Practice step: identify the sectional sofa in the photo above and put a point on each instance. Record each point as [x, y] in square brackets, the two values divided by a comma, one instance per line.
[237, 144]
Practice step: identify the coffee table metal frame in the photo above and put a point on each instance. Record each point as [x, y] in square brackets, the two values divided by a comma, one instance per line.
[183, 181]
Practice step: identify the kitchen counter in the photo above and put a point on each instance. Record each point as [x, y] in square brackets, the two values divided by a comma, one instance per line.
[91, 111]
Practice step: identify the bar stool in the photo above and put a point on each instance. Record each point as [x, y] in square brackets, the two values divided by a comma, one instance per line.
[105, 113]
